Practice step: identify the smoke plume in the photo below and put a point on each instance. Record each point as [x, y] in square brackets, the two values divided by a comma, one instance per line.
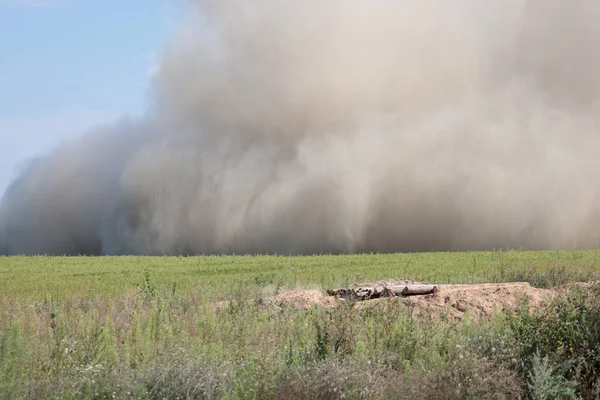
[311, 126]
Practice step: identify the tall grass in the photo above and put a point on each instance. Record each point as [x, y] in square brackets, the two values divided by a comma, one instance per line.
[170, 346]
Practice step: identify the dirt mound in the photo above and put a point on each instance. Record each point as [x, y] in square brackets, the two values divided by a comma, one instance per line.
[301, 299]
[482, 300]
[297, 298]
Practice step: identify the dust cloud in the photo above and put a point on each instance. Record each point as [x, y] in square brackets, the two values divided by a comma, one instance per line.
[339, 126]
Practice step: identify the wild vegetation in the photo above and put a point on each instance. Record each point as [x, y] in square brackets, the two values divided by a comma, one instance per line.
[177, 328]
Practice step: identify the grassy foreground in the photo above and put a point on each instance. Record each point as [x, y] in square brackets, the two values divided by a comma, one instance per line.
[147, 327]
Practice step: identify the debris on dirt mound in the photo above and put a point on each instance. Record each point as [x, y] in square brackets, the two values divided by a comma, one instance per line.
[301, 299]
[376, 291]
[306, 298]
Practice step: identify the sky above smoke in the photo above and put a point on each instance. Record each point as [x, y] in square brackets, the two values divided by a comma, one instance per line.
[339, 126]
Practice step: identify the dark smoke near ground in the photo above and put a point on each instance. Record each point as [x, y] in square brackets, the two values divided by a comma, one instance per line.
[311, 126]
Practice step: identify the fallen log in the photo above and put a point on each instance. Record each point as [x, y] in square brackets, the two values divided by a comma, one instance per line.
[374, 292]
[411, 290]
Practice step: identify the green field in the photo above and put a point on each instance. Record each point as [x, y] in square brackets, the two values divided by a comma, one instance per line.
[40, 278]
[148, 327]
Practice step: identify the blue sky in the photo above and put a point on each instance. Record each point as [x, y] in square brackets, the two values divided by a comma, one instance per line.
[69, 65]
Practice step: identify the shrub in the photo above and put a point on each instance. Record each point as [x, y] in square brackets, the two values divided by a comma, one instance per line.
[567, 333]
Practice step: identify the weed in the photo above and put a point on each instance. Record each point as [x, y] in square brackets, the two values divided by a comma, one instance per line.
[147, 288]
[548, 383]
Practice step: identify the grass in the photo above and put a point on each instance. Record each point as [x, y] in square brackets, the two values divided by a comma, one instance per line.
[40, 278]
[147, 328]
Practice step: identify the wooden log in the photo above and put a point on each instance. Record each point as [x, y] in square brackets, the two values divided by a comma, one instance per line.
[410, 290]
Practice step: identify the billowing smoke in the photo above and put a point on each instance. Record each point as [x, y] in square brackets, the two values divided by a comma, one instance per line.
[312, 126]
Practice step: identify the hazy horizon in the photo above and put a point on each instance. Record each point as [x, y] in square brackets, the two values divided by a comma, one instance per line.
[348, 126]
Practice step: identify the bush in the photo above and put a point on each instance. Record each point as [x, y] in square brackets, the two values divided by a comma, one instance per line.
[566, 333]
